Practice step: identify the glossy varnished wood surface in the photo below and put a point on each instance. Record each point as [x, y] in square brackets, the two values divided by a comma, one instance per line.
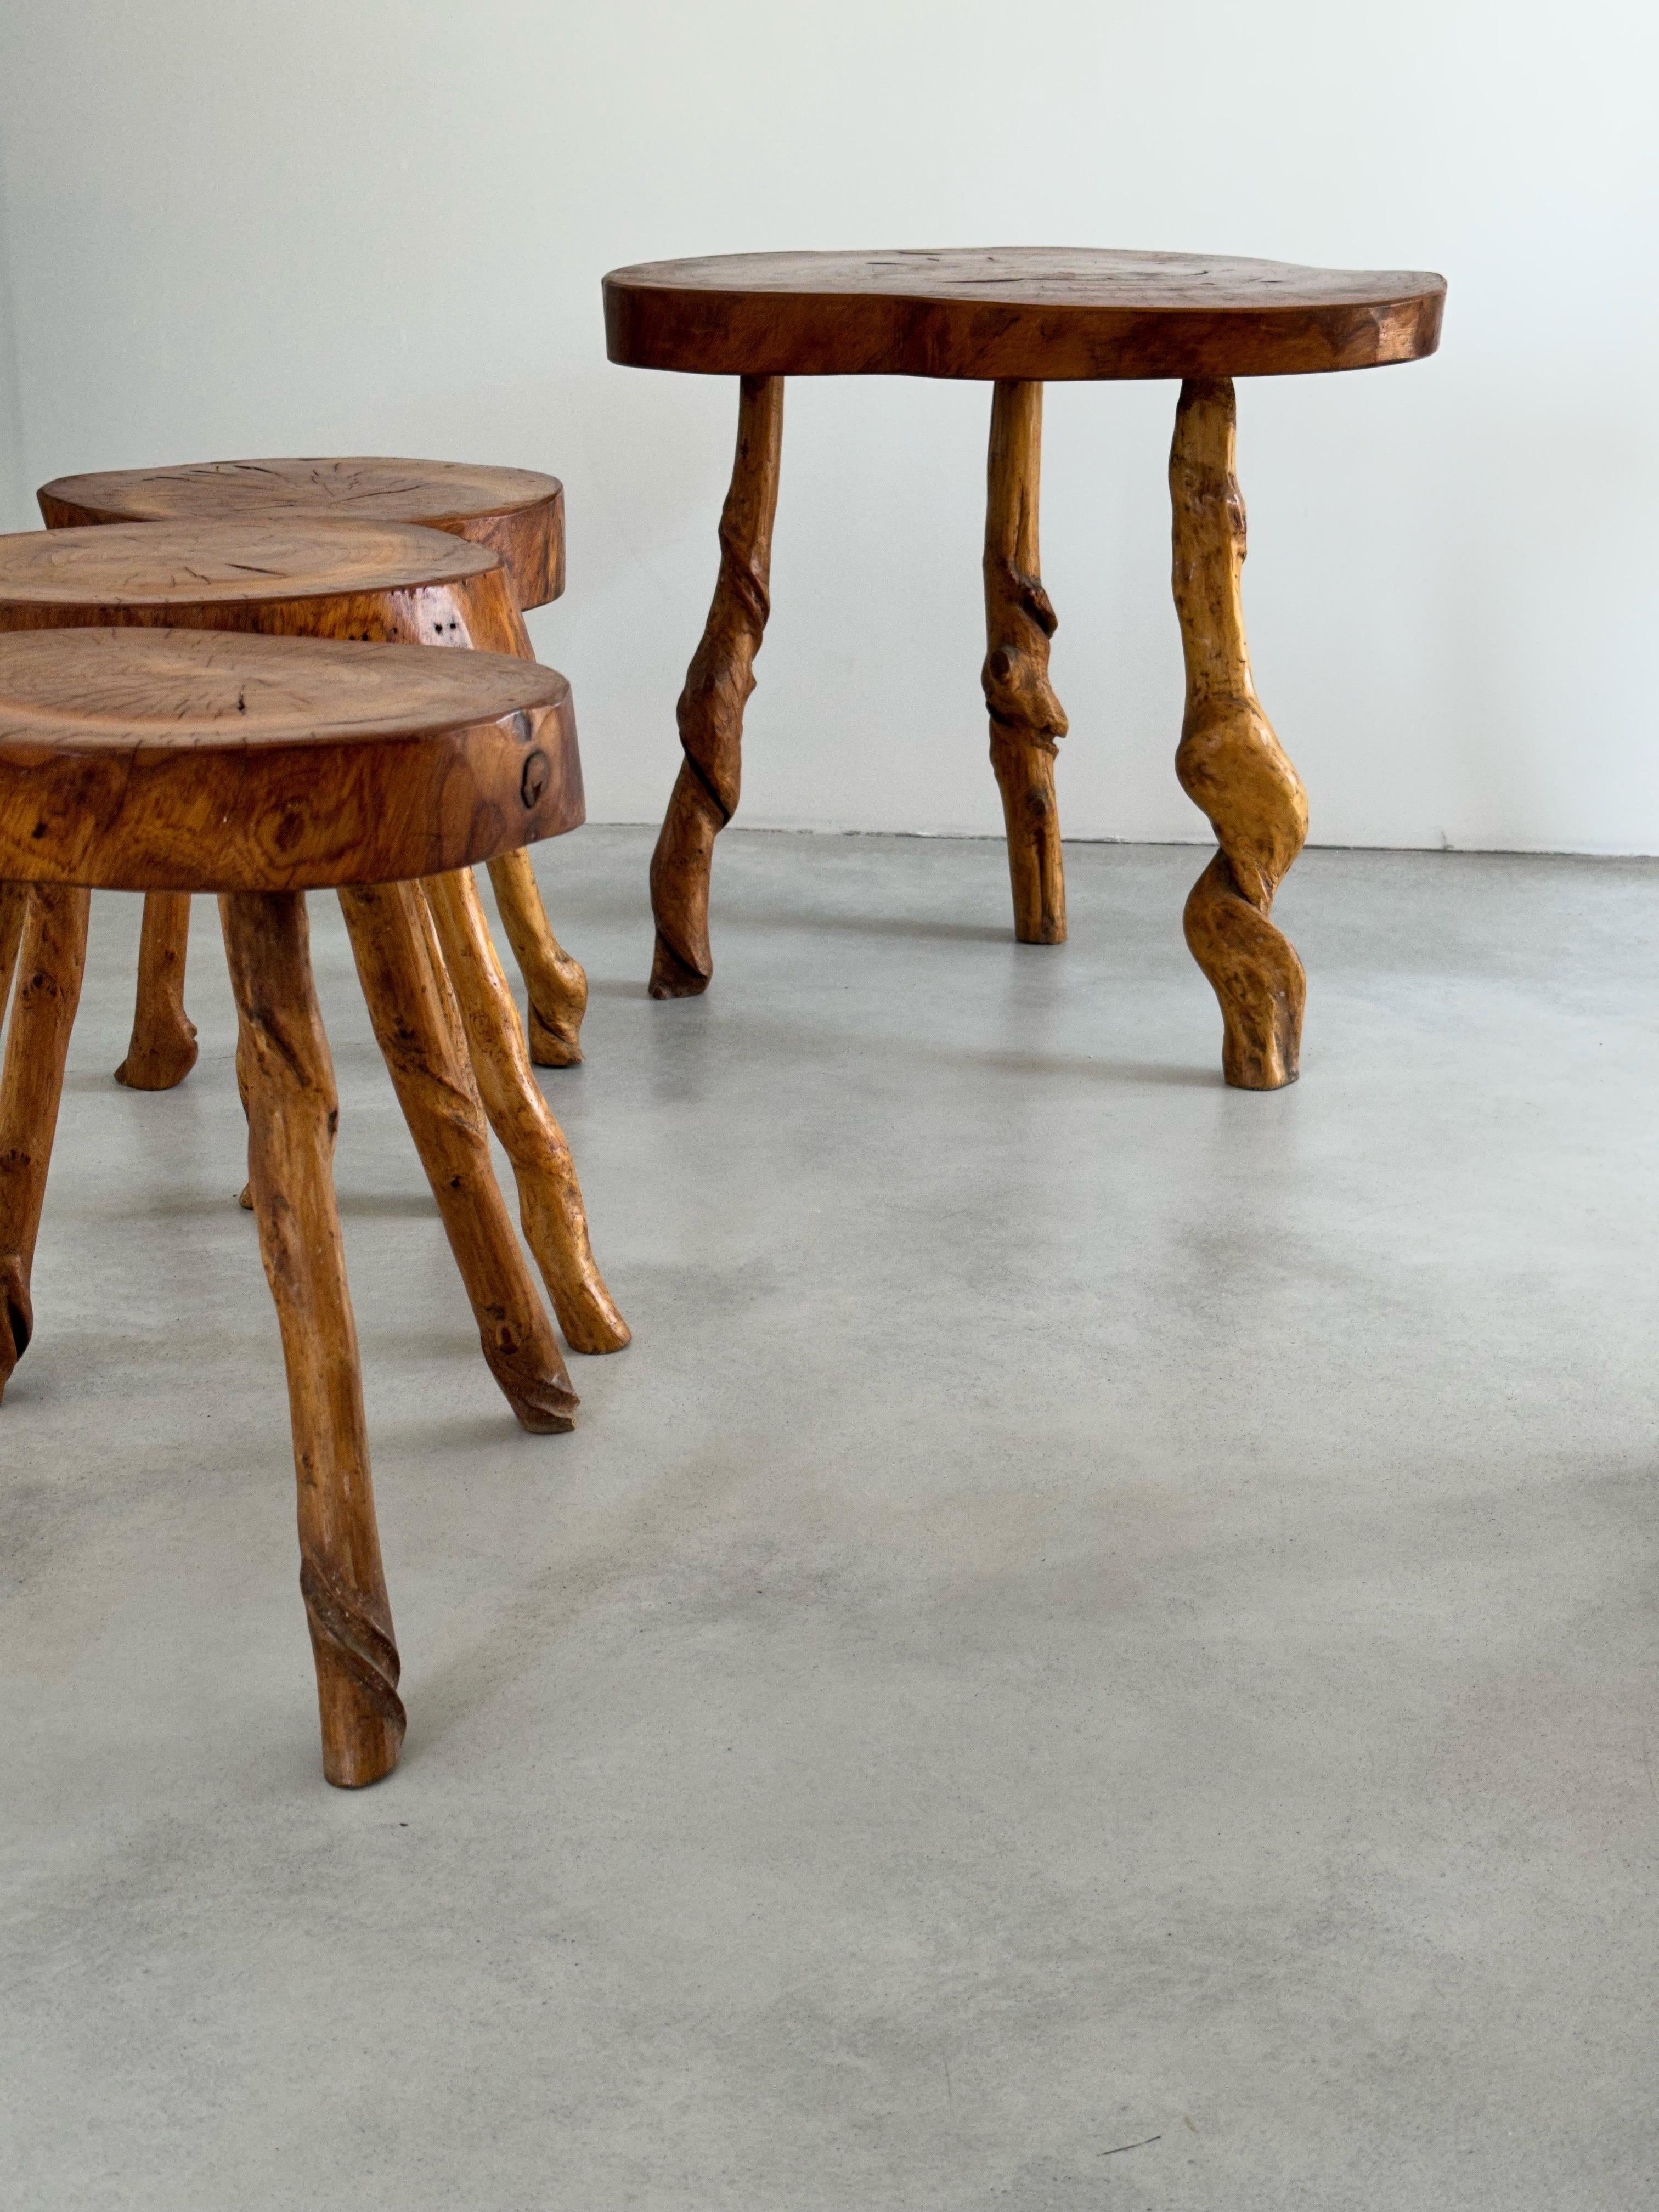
[517, 513]
[198, 760]
[1045, 313]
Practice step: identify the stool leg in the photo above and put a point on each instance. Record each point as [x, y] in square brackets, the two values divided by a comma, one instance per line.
[13, 910]
[415, 1025]
[162, 1048]
[292, 1111]
[550, 1198]
[1027, 720]
[554, 983]
[710, 711]
[1229, 763]
[53, 960]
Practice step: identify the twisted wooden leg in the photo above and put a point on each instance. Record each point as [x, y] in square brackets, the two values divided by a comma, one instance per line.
[710, 711]
[416, 1026]
[284, 1057]
[162, 1048]
[53, 960]
[1229, 763]
[1027, 719]
[550, 1198]
[556, 985]
[14, 909]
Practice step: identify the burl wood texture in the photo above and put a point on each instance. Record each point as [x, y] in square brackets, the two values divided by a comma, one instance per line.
[550, 1199]
[1229, 763]
[517, 513]
[1035, 313]
[204, 760]
[162, 1048]
[417, 1028]
[1027, 719]
[284, 1058]
[50, 962]
[717, 688]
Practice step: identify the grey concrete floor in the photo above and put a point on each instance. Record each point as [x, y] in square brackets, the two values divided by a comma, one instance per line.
[1099, 1651]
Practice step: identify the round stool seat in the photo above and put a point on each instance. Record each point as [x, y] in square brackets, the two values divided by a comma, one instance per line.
[213, 575]
[1045, 313]
[517, 513]
[135, 759]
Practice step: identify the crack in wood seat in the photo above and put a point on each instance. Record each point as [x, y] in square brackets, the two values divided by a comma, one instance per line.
[259, 767]
[1019, 316]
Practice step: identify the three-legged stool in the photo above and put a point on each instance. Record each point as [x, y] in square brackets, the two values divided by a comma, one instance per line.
[260, 769]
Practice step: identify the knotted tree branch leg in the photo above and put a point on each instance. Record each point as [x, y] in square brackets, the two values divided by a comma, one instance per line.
[13, 910]
[550, 1197]
[162, 1048]
[284, 1058]
[556, 984]
[53, 960]
[1229, 763]
[416, 1026]
[710, 711]
[1027, 719]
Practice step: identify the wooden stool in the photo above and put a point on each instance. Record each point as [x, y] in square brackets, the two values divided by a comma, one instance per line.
[260, 769]
[517, 513]
[360, 582]
[1017, 317]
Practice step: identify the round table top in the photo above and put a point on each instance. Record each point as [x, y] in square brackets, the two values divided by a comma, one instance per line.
[212, 760]
[518, 512]
[131, 566]
[1045, 313]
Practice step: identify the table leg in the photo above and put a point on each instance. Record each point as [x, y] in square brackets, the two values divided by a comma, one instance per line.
[710, 711]
[53, 962]
[14, 911]
[1027, 719]
[1229, 763]
[417, 1028]
[555, 985]
[162, 1048]
[292, 1112]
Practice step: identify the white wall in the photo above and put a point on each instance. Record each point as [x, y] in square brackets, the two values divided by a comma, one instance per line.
[237, 226]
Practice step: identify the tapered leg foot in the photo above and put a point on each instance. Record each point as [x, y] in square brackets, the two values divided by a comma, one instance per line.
[710, 712]
[418, 1028]
[162, 1048]
[284, 1060]
[51, 961]
[1027, 719]
[1229, 763]
[554, 983]
[550, 1199]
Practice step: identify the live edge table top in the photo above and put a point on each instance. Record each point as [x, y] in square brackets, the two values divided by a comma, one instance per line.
[1048, 314]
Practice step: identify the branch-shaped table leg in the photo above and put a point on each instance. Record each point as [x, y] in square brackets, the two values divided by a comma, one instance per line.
[162, 1048]
[1027, 719]
[550, 1197]
[556, 984]
[1229, 763]
[710, 711]
[292, 1110]
[417, 1029]
[53, 958]
[14, 911]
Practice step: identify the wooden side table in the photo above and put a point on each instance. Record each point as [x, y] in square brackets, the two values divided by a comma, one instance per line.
[1018, 318]
[260, 769]
[518, 513]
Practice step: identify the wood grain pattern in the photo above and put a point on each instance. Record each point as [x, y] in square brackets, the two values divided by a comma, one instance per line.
[161, 1051]
[14, 908]
[718, 685]
[1033, 313]
[302, 575]
[212, 761]
[550, 1198]
[292, 1110]
[517, 513]
[416, 1028]
[51, 964]
[1027, 719]
[1230, 762]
